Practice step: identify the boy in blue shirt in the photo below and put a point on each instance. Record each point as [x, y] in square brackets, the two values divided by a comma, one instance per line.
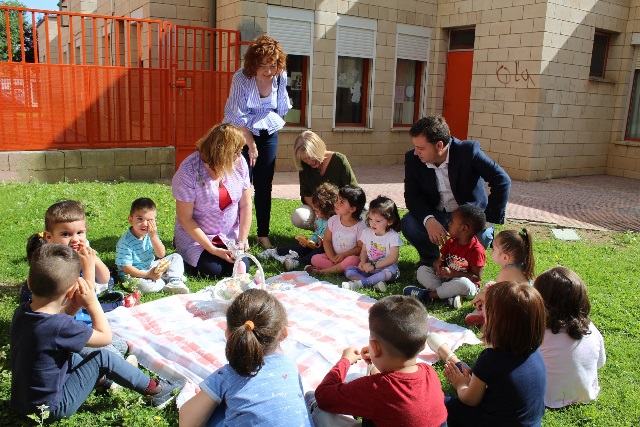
[136, 251]
[45, 339]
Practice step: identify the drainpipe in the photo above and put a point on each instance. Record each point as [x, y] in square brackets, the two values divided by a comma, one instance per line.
[213, 14]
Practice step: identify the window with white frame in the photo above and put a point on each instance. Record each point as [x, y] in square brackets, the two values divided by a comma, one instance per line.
[356, 45]
[293, 28]
[412, 57]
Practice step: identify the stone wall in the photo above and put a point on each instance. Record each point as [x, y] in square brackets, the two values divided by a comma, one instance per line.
[129, 164]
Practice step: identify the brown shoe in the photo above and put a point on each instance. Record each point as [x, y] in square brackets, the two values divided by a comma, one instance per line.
[264, 242]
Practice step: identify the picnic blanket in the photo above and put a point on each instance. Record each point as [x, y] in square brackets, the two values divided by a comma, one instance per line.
[183, 335]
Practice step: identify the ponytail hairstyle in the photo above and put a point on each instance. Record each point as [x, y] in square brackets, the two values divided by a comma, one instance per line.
[519, 245]
[34, 242]
[566, 301]
[255, 323]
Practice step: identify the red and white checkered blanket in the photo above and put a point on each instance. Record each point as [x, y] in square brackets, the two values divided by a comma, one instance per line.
[183, 335]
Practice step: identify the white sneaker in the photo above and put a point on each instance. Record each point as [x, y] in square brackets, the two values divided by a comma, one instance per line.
[455, 302]
[268, 253]
[132, 360]
[380, 286]
[291, 264]
[176, 286]
[353, 285]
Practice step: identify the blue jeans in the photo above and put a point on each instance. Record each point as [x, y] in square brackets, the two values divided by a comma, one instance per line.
[416, 233]
[261, 176]
[86, 372]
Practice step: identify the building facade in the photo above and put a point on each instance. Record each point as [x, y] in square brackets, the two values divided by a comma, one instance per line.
[547, 87]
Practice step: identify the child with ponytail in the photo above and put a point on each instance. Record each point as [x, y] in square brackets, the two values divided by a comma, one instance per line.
[258, 386]
[513, 252]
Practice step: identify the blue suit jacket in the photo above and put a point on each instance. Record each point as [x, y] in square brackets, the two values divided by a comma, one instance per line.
[469, 168]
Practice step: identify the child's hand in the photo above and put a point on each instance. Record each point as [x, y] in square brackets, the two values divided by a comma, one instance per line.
[152, 228]
[152, 275]
[85, 295]
[364, 353]
[437, 264]
[87, 258]
[444, 272]
[368, 267]
[478, 300]
[339, 258]
[455, 377]
[320, 242]
[361, 265]
[352, 354]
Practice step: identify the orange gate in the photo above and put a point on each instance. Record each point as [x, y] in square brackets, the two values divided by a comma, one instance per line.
[110, 82]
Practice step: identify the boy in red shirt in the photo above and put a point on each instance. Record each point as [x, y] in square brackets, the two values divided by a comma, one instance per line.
[458, 271]
[399, 392]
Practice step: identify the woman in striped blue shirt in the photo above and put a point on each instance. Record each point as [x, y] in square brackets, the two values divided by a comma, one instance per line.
[257, 101]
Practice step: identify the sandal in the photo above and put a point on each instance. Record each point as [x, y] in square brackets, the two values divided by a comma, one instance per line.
[264, 242]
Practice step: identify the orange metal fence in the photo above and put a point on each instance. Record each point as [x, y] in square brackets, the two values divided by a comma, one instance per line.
[103, 82]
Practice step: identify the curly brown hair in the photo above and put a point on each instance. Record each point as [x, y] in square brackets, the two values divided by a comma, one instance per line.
[267, 49]
[220, 146]
[324, 198]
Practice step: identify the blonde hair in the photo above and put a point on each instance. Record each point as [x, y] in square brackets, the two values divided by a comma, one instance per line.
[218, 148]
[311, 144]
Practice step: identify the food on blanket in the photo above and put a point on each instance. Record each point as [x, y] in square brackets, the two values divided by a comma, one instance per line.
[234, 286]
[162, 266]
[304, 240]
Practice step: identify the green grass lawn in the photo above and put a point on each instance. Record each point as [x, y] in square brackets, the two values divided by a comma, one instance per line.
[608, 263]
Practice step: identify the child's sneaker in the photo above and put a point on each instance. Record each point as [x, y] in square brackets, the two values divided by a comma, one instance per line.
[380, 287]
[455, 302]
[474, 318]
[353, 285]
[132, 360]
[268, 253]
[311, 268]
[415, 292]
[133, 299]
[291, 264]
[176, 286]
[164, 394]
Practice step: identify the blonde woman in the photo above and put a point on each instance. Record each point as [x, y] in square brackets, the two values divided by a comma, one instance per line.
[317, 165]
[213, 202]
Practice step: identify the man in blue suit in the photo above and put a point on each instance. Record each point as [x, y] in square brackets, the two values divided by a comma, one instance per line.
[442, 173]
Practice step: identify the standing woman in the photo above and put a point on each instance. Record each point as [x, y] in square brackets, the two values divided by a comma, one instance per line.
[257, 101]
[213, 202]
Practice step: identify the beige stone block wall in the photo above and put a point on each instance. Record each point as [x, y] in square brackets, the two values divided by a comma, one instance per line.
[129, 164]
[379, 145]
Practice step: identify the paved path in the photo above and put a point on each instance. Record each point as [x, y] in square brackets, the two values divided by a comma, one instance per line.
[599, 202]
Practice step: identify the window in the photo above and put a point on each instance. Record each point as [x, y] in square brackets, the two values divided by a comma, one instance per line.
[633, 120]
[293, 28]
[462, 39]
[351, 91]
[297, 89]
[356, 43]
[412, 53]
[406, 105]
[599, 55]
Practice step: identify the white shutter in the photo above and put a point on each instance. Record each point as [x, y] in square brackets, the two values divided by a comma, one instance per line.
[356, 42]
[296, 37]
[413, 47]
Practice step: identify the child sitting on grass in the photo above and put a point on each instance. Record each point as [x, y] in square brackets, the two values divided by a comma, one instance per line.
[458, 271]
[380, 248]
[573, 348]
[400, 392]
[507, 383]
[322, 201]
[258, 387]
[341, 247]
[513, 251]
[136, 251]
[45, 340]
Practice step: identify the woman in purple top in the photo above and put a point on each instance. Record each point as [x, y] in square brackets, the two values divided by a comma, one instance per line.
[257, 101]
[213, 202]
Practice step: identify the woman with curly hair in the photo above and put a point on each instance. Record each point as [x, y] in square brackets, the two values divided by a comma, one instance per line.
[257, 101]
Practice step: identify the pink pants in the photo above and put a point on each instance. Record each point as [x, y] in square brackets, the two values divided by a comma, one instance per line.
[322, 261]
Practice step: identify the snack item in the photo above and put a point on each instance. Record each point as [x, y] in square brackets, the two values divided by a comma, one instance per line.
[305, 240]
[162, 266]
